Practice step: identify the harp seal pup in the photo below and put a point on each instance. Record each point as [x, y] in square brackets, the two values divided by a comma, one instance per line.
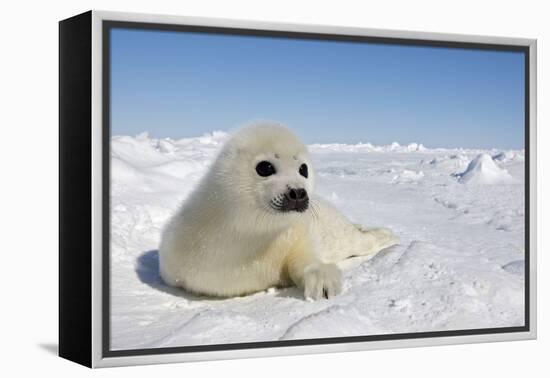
[254, 222]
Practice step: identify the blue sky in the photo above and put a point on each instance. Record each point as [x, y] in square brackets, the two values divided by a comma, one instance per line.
[180, 84]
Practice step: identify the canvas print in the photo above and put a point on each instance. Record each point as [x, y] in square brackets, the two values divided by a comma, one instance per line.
[272, 188]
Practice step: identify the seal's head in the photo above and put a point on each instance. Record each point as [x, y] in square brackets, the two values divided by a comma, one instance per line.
[267, 170]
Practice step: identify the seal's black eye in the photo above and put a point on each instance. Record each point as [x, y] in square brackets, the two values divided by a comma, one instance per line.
[303, 170]
[265, 168]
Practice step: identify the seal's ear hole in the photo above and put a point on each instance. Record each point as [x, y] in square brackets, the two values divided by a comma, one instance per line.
[265, 169]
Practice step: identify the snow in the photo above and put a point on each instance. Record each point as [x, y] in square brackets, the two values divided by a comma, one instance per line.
[408, 176]
[505, 156]
[459, 265]
[483, 170]
[367, 147]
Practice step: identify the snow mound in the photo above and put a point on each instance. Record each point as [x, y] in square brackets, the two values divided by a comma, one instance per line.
[450, 162]
[413, 147]
[407, 176]
[145, 151]
[483, 170]
[515, 267]
[367, 147]
[506, 156]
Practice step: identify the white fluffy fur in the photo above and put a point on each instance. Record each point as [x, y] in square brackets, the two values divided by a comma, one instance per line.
[226, 240]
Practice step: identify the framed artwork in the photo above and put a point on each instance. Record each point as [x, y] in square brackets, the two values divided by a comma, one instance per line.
[232, 189]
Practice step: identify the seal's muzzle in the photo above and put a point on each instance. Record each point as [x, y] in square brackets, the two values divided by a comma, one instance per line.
[295, 199]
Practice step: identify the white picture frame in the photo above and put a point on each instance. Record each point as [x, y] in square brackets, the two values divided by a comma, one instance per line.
[83, 265]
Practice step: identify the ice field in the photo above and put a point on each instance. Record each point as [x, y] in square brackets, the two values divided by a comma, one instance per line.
[459, 214]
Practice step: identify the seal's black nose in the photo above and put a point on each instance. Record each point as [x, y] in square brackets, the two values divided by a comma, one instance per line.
[296, 199]
[297, 194]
